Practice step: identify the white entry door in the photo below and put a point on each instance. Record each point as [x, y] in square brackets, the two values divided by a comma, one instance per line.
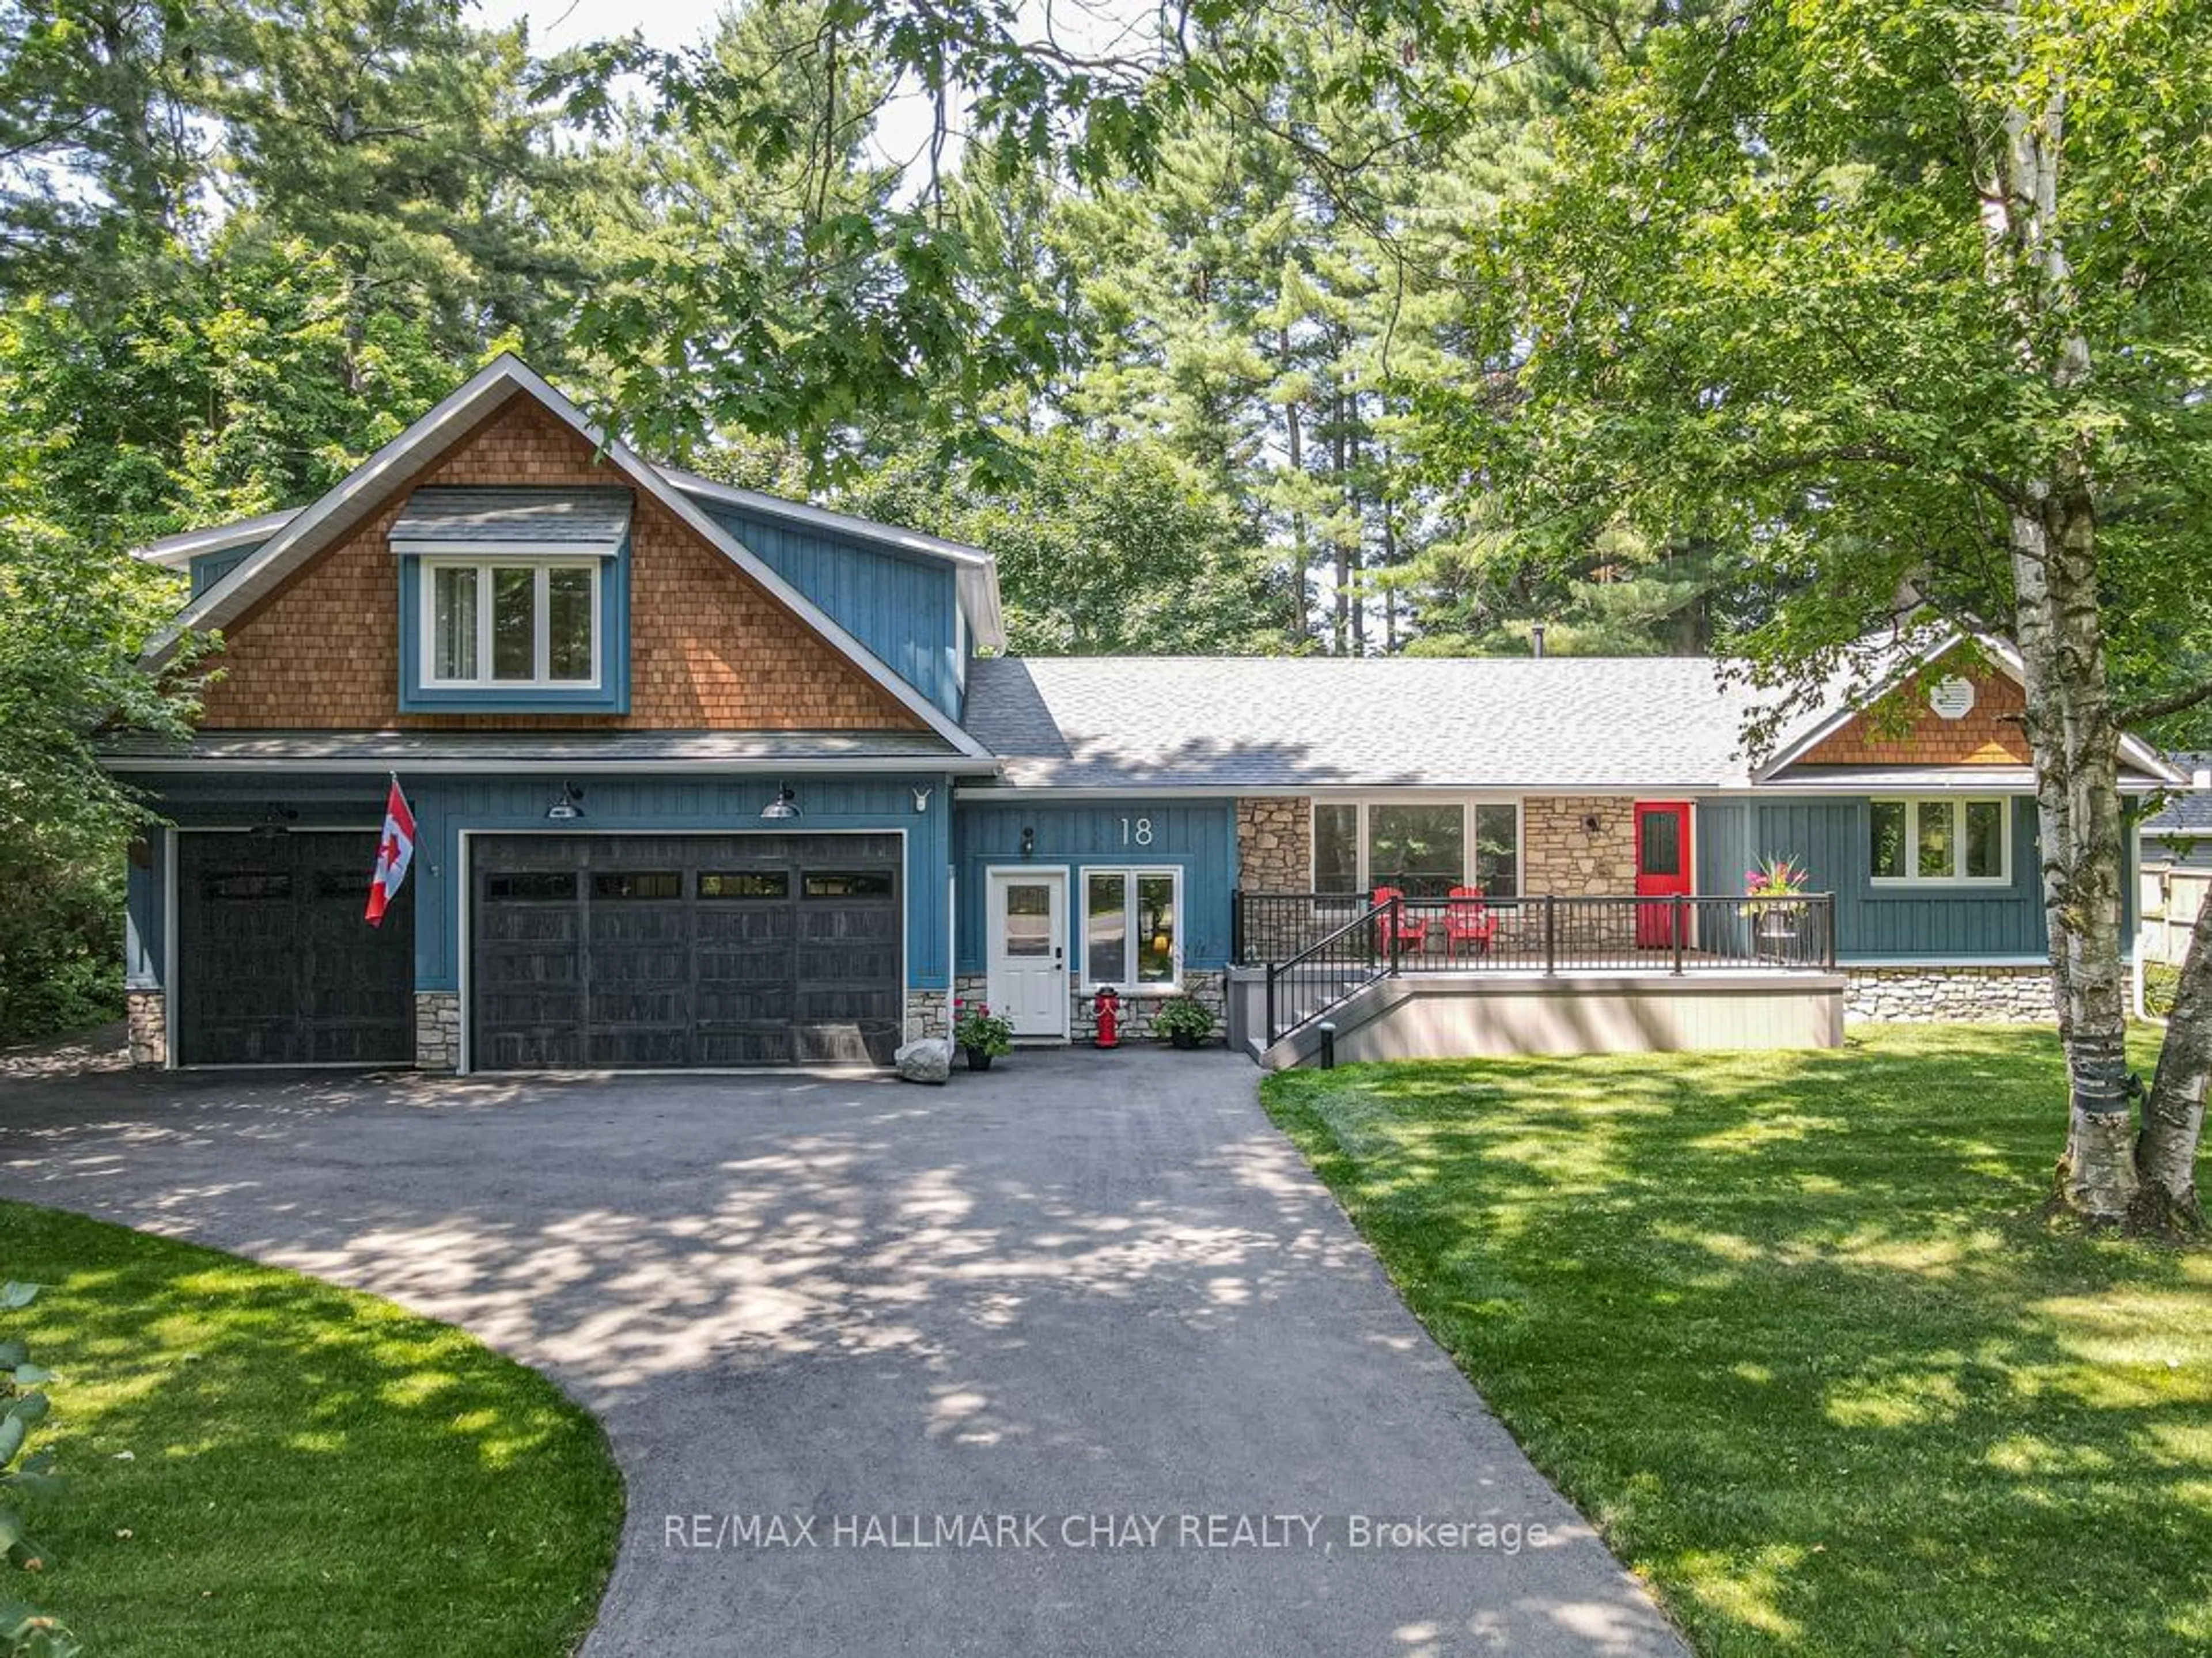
[1028, 957]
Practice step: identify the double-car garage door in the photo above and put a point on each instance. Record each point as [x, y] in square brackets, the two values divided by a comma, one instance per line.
[673, 950]
[584, 951]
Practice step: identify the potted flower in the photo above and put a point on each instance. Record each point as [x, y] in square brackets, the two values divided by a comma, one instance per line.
[982, 1035]
[1770, 885]
[1185, 1022]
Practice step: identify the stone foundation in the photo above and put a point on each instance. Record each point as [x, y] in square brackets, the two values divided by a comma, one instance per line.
[1274, 843]
[927, 1014]
[1138, 1011]
[1563, 855]
[1938, 994]
[437, 1031]
[147, 1012]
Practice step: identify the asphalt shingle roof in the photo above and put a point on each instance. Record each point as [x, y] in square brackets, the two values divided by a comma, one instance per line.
[2186, 812]
[1320, 722]
[585, 517]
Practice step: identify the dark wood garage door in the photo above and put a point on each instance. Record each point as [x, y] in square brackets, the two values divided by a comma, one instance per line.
[666, 952]
[275, 964]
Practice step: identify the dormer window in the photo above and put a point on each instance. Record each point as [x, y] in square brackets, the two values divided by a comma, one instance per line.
[514, 600]
[512, 623]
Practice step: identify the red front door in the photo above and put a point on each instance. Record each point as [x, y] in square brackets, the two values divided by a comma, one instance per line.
[1662, 868]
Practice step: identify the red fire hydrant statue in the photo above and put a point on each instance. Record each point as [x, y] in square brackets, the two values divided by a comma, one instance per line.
[1107, 1006]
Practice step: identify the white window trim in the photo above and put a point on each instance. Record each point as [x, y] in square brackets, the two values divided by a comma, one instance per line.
[541, 678]
[1466, 803]
[1912, 879]
[1079, 915]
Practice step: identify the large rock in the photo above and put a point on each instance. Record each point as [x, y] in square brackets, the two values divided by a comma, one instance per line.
[927, 1060]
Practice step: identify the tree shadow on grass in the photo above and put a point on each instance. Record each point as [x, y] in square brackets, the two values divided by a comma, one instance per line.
[263, 1464]
[1786, 1327]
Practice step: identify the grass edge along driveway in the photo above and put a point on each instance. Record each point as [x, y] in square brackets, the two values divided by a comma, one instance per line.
[1785, 1326]
[266, 1465]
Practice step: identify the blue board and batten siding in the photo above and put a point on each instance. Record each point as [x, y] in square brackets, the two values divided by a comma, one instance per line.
[1833, 838]
[1197, 837]
[445, 807]
[210, 568]
[904, 609]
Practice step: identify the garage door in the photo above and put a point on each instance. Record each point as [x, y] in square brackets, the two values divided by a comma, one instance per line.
[666, 952]
[275, 964]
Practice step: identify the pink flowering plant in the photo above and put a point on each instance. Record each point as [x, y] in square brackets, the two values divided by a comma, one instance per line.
[1770, 884]
[1774, 876]
[976, 1028]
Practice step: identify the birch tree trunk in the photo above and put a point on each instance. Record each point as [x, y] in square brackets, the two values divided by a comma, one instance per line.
[2173, 1118]
[2070, 728]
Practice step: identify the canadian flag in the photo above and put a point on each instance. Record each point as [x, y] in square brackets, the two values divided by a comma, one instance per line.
[394, 853]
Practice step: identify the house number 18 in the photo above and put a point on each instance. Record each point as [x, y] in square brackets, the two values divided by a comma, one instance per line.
[1136, 831]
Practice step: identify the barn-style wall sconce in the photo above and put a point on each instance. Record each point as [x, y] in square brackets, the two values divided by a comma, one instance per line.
[1029, 841]
[783, 808]
[567, 809]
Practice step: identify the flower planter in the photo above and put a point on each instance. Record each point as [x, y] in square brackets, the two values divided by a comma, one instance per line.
[979, 1059]
[1183, 1040]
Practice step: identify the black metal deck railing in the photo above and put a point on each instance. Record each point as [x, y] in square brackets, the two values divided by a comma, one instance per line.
[1320, 948]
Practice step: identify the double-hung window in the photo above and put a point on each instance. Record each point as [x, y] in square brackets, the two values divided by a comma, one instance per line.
[511, 624]
[1953, 839]
[1133, 927]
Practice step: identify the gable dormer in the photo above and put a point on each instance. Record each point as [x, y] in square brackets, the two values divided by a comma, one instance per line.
[514, 599]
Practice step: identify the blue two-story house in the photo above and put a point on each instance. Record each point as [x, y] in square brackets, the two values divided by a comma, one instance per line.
[703, 778]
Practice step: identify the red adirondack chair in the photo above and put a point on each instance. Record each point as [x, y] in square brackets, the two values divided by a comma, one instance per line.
[1468, 921]
[1413, 927]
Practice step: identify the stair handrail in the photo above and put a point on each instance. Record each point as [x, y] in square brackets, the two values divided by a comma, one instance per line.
[1383, 970]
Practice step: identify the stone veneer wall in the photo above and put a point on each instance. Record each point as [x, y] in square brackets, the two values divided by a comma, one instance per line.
[1137, 1011]
[437, 1031]
[927, 1014]
[1210, 987]
[1560, 855]
[1934, 994]
[147, 1012]
[1274, 843]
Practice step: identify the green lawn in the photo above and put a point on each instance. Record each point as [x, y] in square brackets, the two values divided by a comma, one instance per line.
[1785, 1326]
[264, 1466]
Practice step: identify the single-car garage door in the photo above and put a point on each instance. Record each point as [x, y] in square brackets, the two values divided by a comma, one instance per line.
[276, 964]
[669, 950]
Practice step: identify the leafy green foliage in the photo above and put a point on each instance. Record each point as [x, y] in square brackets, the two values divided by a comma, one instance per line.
[1754, 304]
[1103, 550]
[25, 1632]
[1185, 1016]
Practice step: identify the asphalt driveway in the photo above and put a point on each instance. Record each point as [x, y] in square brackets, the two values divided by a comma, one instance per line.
[1086, 1325]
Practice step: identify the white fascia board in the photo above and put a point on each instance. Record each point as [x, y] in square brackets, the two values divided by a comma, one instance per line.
[486, 552]
[358, 494]
[650, 479]
[346, 503]
[1837, 719]
[182, 549]
[2133, 750]
[378, 765]
[977, 570]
